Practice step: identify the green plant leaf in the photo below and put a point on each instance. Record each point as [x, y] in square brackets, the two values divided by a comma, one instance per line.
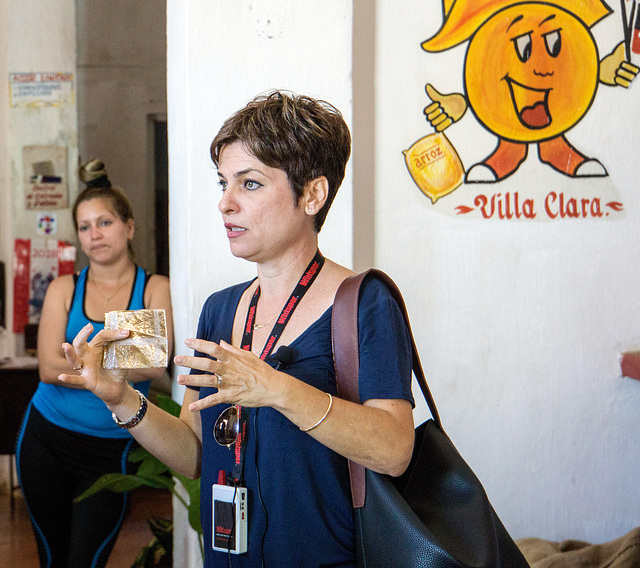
[169, 405]
[194, 510]
[117, 482]
[120, 483]
[162, 529]
[192, 487]
[151, 466]
[138, 454]
[152, 472]
[153, 555]
[158, 482]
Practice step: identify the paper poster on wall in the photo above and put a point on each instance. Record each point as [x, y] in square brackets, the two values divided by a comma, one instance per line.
[530, 74]
[40, 90]
[45, 177]
[37, 262]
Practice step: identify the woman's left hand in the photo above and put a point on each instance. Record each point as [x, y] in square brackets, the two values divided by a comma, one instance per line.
[240, 376]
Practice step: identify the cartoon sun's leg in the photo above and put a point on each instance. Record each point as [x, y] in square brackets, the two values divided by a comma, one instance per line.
[562, 156]
[505, 160]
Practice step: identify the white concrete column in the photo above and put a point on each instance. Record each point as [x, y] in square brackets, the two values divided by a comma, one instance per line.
[220, 55]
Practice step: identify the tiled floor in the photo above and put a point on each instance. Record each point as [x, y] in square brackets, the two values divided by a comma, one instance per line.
[18, 546]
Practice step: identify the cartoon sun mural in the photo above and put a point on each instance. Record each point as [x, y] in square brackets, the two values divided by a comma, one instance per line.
[531, 73]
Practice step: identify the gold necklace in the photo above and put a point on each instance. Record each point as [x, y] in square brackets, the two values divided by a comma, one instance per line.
[266, 323]
[261, 325]
[107, 299]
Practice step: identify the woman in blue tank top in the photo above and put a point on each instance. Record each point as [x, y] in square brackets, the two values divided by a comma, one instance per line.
[68, 438]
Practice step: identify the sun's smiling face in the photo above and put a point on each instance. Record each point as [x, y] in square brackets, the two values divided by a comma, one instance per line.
[531, 72]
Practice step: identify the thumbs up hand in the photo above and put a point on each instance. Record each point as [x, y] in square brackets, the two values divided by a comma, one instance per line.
[615, 70]
[445, 109]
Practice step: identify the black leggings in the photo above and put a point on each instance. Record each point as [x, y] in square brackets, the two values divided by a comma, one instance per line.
[55, 465]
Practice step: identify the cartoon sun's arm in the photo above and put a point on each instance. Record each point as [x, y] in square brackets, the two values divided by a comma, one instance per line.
[615, 70]
[445, 109]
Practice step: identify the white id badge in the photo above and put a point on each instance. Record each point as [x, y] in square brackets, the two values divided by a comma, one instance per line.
[229, 519]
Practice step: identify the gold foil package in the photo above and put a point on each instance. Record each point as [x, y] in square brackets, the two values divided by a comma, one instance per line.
[146, 346]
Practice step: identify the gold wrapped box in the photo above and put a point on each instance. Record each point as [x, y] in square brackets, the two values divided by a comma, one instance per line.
[146, 346]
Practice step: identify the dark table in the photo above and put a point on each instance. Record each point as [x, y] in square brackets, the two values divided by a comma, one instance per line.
[18, 381]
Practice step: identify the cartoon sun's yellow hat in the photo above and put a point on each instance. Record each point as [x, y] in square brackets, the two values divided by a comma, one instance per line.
[463, 17]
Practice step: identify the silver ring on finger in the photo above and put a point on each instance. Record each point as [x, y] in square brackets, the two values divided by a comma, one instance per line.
[219, 381]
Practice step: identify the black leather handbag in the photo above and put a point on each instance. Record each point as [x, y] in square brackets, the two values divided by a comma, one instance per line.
[437, 514]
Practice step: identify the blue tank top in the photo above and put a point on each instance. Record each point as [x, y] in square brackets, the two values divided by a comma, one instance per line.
[81, 410]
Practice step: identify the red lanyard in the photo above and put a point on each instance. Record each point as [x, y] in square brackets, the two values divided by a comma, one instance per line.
[285, 315]
[278, 327]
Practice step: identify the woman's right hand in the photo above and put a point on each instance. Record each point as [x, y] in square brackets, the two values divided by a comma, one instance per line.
[86, 358]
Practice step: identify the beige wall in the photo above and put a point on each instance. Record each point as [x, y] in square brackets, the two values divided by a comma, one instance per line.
[34, 38]
[121, 84]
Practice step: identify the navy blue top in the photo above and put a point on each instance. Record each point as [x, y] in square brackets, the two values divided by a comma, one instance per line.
[81, 410]
[299, 500]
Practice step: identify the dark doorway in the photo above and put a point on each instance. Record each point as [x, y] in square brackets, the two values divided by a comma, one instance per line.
[161, 184]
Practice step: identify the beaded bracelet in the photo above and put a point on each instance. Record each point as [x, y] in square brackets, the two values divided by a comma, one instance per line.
[136, 418]
[321, 419]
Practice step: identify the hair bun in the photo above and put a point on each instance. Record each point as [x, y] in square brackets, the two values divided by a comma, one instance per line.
[94, 174]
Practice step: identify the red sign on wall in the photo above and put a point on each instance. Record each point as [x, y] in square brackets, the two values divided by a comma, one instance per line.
[37, 262]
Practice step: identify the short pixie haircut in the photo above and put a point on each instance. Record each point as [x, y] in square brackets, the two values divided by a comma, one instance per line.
[304, 137]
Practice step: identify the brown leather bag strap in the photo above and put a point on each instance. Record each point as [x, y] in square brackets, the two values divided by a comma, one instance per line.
[344, 337]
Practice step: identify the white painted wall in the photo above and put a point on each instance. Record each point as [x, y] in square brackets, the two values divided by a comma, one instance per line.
[49, 31]
[519, 324]
[34, 37]
[220, 55]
